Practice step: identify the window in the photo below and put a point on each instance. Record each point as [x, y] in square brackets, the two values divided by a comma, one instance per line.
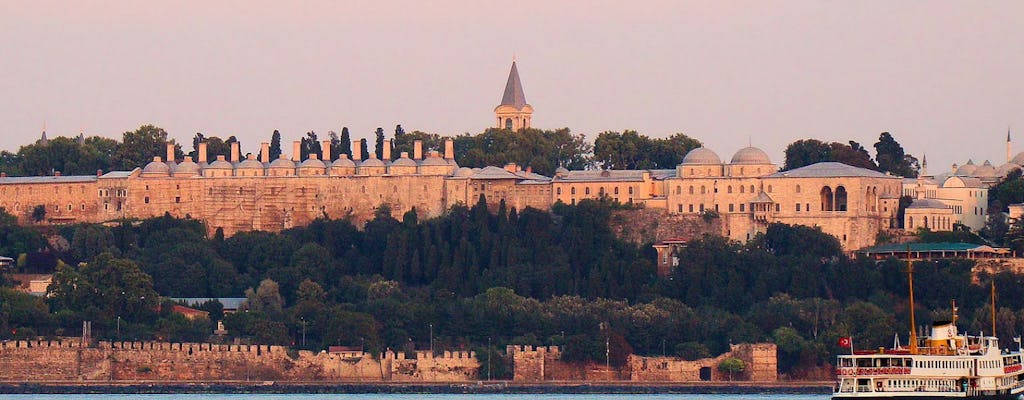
[797, 207]
[703, 189]
[742, 207]
[630, 190]
[558, 191]
[679, 190]
[798, 188]
[730, 207]
[691, 189]
[691, 207]
[572, 191]
[616, 190]
[680, 208]
[146, 200]
[177, 199]
[729, 189]
[586, 191]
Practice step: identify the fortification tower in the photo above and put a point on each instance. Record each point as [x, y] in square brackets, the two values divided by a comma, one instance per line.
[513, 113]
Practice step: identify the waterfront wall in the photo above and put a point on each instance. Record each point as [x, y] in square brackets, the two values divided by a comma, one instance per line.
[538, 364]
[68, 360]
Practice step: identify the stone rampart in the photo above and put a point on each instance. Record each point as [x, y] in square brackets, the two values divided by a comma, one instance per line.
[68, 360]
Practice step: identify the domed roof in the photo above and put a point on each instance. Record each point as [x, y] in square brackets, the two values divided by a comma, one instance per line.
[464, 171]
[561, 171]
[282, 162]
[1018, 159]
[751, 155]
[220, 164]
[343, 161]
[702, 156]
[187, 167]
[312, 163]
[371, 162]
[250, 163]
[403, 162]
[967, 169]
[1005, 169]
[434, 162]
[986, 170]
[157, 167]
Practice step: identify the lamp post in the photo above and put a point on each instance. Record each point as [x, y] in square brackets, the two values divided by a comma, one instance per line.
[118, 328]
[431, 339]
[303, 331]
[488, 358]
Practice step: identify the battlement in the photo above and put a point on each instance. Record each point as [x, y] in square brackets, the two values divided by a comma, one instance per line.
[516, 349]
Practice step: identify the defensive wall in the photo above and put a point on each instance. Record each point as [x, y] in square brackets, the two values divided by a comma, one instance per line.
[538, 364]
[69, 360]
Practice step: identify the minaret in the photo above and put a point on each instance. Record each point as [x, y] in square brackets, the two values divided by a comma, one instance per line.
[513, 113]
[924, 165]
[1009, 152]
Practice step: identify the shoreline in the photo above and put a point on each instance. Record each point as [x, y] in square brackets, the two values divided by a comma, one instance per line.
[480, 387]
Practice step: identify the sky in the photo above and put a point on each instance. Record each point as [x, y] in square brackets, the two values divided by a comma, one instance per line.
[944, 77]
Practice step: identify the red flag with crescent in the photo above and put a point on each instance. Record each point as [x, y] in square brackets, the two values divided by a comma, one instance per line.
[845, 342]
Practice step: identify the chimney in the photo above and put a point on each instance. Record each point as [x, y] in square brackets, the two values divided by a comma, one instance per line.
[99, 173]
[234, 152]
[202, 152]
[170, 152]
[449, 149]
[511, 167]
[220, 157]
[251, 157]
[357, 154]
[387, 150]
[404, 154]
[56, 173]
[296, 151]
[312, 156]
[157, 159]
[529, 170]
[417, 150]
[325, 147]
[265, 152]
[3, 174]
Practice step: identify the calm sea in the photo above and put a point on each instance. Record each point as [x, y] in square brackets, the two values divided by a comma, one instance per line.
[415, 397]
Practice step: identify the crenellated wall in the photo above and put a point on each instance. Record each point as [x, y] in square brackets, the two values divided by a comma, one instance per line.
[68, 360]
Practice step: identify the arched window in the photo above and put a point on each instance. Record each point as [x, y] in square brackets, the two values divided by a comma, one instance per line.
[558, 191]
[926, 222]
[826, 199]
[586, 190]
[769, 188]
[691, 189]
[743, 189]
[508, 123]
[798, 188]
[703, 189]
[751, 188]
[729, 189]
[841, 198]
[617, 189]
[679, 190]
[572, 191]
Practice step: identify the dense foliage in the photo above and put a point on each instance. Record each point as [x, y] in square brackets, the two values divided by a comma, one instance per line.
[631, 150]
[889, 155]
[476, 275]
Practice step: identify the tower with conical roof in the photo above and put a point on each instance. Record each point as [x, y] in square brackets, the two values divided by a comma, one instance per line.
[513, 113]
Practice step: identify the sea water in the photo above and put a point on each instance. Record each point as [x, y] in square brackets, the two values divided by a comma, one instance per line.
[415, 396]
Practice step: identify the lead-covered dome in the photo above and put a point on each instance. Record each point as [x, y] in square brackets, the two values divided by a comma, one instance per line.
[986, 170]
[157, 167]
[967, 169]
[751, 155]
[187, 168]
[371, 162]
[702, 156]
[344, 161]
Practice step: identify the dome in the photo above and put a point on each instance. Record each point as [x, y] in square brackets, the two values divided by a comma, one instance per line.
[986, 170]
[187, 167]
[282, 163]
[750, 155]
[371, 162]
[157, 168]
[250, 163]
[967, 169]
[561, 171]
[464, 172]
[702, 156]
[220, 164]
[312, 163]
[1018, 159]
[1005, 169]
[434, 162]
[343, 161]
[403, 162]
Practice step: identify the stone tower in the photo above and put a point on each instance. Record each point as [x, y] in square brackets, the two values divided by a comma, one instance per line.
[513, 113]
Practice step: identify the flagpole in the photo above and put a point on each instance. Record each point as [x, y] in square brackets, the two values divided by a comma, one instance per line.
[851, 345]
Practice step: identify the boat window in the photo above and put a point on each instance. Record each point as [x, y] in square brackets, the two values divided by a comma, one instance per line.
[863, 362]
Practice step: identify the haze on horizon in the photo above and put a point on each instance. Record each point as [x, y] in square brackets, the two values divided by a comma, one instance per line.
[944, 77]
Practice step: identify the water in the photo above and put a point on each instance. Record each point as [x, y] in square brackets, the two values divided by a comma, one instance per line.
[416, 397]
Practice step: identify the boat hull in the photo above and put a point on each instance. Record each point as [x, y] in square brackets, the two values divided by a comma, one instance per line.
[927, 396]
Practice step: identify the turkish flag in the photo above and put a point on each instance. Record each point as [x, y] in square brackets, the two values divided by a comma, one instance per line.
[845, 342]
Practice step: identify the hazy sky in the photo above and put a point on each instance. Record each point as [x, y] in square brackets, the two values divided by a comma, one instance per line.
[944, 77]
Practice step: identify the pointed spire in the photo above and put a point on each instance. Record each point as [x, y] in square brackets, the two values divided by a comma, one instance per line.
[514, 95]
[1007, 134]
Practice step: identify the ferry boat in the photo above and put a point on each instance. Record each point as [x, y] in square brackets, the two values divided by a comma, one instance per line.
[945, 364]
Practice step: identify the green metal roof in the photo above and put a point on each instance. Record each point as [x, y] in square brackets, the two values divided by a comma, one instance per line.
[923, 247]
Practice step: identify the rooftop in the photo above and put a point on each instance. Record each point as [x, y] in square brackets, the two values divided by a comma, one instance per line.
[830, 170]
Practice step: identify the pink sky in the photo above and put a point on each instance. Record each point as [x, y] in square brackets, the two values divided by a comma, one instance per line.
[943, 77]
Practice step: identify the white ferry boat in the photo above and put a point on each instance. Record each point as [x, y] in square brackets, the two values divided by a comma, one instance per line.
[943, 365]
[950, 365]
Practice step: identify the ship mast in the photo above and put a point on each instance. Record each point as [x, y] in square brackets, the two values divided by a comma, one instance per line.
[993, 308]
[910, 284]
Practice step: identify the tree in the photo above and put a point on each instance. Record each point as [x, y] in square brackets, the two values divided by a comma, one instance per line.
[309, 145]
[344, 143]
[378, 148]
[275, 145]
[544, 151]
[139, 146]
[732, 366]
[631, 150]
[891, 158]
[38, 213]
[363, 151]
[265, 299]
